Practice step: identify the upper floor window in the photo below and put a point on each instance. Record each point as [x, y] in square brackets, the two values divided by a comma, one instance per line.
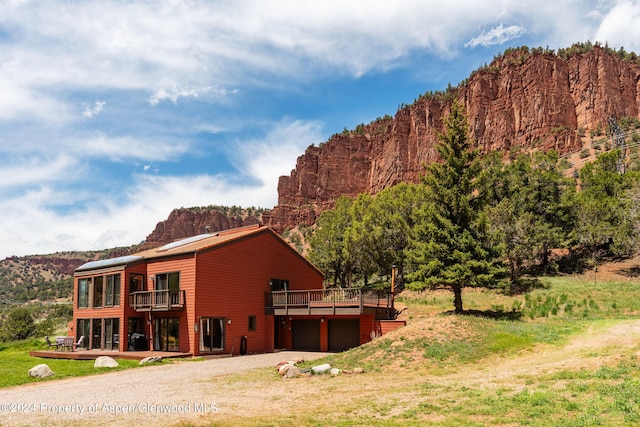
[112, 291]
[83, 292]
[170, 281]
[136, 282]
[279, 285]
[99, 291]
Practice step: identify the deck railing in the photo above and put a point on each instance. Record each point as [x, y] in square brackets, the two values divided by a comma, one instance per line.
[332, 298]
[161, 300]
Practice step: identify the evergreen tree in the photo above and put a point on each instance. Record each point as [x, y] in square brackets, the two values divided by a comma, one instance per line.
[328, 251]
[19, 325]
[450, 248]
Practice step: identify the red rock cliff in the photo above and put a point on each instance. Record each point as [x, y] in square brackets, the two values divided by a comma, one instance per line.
[190, 222]
[524, 100]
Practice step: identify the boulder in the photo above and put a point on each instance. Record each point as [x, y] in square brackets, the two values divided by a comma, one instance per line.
[335, 371]
[41, 371]
[150, 359]
[283, 369]
[321, 369]
[105, 362]
[358, 371]
[293, 372]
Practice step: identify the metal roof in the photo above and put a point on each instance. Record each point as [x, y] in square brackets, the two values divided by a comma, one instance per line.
[186, 241]
[111, 262]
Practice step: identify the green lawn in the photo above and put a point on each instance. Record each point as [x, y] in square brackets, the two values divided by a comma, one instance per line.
[15, 363]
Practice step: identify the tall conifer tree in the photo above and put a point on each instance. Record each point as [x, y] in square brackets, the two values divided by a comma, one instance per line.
[450, 249]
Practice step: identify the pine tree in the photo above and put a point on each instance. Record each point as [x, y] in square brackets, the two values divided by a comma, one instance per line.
[450, 249]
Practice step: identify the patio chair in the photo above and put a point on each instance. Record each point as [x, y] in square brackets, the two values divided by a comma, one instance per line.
[51, 344]
[78, 344]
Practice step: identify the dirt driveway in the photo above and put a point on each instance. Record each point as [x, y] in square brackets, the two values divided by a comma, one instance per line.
[160, 395]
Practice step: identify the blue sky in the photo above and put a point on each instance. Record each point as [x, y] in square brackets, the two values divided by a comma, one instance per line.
[113, 113]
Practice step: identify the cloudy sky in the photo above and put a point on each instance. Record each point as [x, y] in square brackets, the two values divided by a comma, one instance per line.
[113, 113]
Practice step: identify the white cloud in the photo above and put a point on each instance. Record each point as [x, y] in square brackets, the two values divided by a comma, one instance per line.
[35, 170]
[94, 110]
[497, 35]
[266, 159]
[620, 27]
[185, 49]
[109, 220]
[173, 93]
[99, 145]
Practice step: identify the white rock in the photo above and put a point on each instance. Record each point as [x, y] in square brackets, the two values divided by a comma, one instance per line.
[335, 371]
[41, 371]
[293, 372]
[105, 362]
[321, 369]
[150, 359]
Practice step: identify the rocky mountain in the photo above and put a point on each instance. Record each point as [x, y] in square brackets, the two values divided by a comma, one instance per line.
[186, 222]
[526, 99]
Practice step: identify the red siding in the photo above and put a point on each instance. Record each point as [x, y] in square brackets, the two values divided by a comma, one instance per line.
[232, 281]
[185, 265]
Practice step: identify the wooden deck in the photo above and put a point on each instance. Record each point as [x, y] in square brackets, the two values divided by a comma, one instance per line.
[94, 354]
[329, 302]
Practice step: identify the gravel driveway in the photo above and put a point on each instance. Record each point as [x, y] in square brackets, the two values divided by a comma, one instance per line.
[160, 395]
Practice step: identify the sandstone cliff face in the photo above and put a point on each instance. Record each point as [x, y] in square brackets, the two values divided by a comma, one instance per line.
[523, 101]
[190, 222]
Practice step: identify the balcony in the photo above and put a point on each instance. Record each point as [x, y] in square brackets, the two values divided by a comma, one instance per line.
[162, 300]
[330, 302]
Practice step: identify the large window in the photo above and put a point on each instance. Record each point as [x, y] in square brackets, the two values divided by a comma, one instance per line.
[83, 292]
[111, 333]
[84, 330]
[97, 291]
[100, 291]
[96, 340]
[112, 292]
[211, 334]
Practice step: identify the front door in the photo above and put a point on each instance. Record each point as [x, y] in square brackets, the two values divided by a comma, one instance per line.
[166, 334]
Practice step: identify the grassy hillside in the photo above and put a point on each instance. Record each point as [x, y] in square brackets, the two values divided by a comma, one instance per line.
[565, 353]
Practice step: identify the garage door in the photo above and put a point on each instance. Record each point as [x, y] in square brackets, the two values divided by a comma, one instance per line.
[344, 334]
[306, 335]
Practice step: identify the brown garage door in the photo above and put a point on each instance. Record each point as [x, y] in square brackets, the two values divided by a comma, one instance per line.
[306, 335]
[344, 334]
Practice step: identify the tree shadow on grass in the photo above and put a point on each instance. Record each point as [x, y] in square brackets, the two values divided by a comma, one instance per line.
[525, 285]
[490, 314]
[630, 272]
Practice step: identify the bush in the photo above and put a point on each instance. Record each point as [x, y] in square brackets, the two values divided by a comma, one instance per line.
[18, 326]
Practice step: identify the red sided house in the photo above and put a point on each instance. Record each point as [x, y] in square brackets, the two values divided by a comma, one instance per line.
[234, 291]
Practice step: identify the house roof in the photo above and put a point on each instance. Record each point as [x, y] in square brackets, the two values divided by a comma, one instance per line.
[190, 245]
[111, 262]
